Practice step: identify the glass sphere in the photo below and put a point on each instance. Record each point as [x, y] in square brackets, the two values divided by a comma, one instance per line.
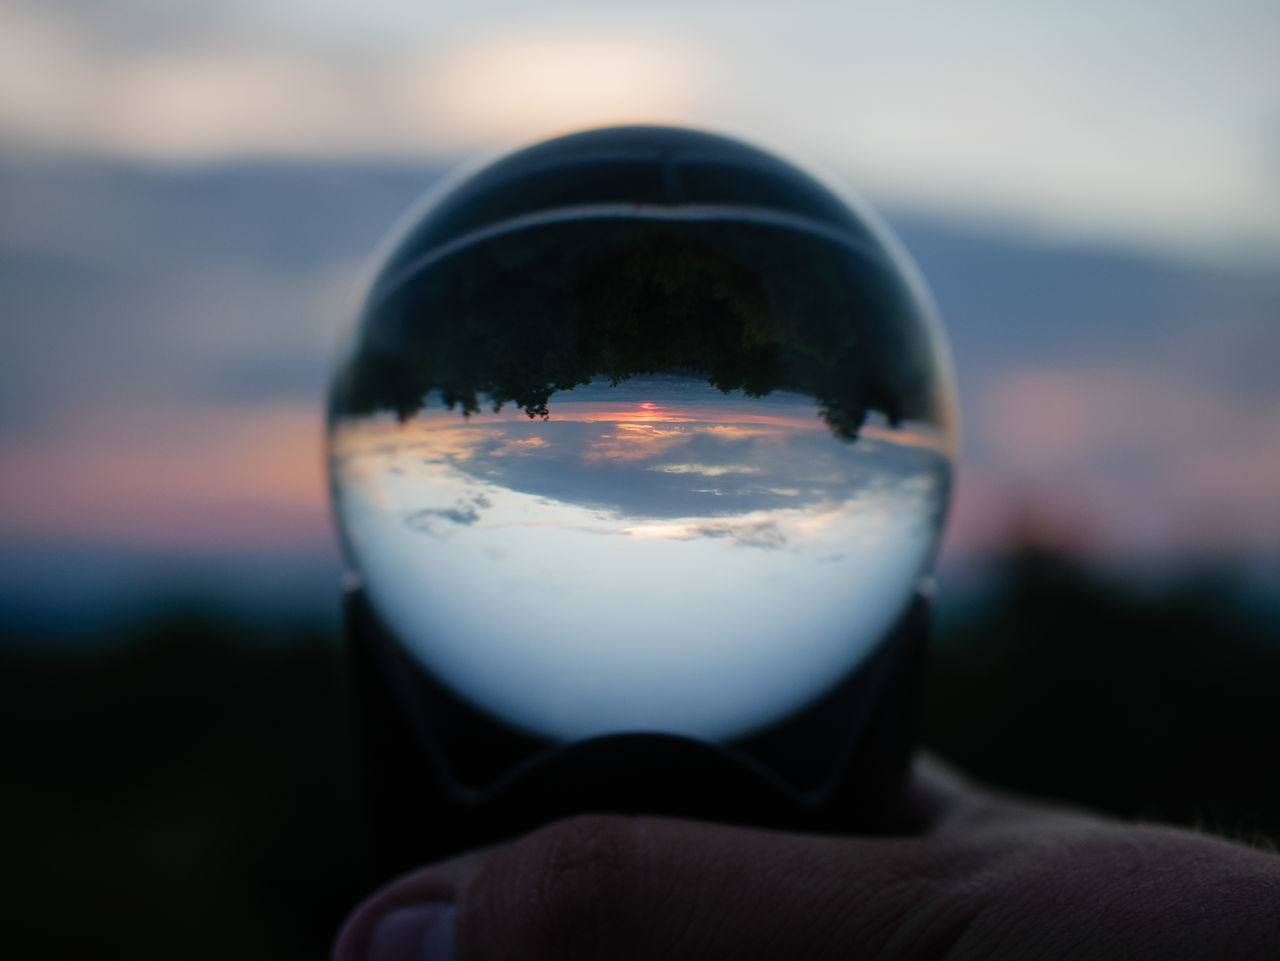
[641, 430]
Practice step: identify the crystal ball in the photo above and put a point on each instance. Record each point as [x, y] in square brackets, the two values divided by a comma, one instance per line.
[641, 429]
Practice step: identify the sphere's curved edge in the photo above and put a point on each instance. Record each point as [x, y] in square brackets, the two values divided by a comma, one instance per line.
[652, 165]
[693, 213]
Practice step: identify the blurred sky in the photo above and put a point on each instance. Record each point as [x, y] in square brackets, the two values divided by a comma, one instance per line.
[1143, 119]
[188, 192]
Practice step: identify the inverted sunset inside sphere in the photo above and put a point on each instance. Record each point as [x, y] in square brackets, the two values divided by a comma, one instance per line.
[641, 429]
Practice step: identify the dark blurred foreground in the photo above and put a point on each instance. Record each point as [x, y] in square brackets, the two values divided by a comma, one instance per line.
[186, 789]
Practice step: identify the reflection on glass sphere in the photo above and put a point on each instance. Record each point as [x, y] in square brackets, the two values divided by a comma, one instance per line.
[641, 429]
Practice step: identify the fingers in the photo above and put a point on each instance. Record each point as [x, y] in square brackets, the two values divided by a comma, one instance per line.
[996, 878]
[413, 917]
[616, 888]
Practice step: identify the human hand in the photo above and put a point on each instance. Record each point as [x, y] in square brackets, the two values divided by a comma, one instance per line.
[990, 878]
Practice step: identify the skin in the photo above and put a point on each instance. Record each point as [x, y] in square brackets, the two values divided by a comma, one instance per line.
[992, 878]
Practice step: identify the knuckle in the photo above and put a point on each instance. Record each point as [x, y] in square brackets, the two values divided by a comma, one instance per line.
[588, 881]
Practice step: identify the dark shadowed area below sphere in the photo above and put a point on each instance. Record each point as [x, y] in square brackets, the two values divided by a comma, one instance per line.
[187, 789]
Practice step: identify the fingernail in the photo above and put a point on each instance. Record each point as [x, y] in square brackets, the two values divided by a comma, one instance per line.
[421, 932]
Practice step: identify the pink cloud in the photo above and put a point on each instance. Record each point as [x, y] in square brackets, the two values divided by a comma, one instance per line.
[241, 477]
[1147, 459]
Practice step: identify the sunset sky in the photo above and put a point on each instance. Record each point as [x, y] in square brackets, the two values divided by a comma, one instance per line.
[190, 192]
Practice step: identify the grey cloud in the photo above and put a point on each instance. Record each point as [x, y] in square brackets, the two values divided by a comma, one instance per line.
[759, 534]
[426, 521]
[130, 26]
[464, 513]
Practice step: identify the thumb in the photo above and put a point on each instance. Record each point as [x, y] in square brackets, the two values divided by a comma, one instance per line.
[618, 888]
